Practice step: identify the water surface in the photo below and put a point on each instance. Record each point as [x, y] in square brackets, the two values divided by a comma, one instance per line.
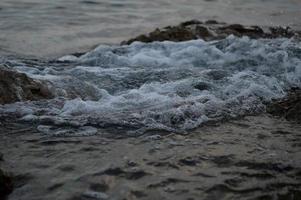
[41, 28]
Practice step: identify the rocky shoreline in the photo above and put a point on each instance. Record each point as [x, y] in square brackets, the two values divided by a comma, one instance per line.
[212, 30]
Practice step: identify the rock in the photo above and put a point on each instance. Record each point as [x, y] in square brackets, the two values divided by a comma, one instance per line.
[288, 107]
[15, 86]
[211, 30]
[283, 31]
[6, 185]
[176, 34]
[240, 30]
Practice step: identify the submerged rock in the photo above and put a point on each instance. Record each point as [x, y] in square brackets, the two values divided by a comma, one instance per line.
[211, 30]
[288, 107]
[15, 86]
[6, 185]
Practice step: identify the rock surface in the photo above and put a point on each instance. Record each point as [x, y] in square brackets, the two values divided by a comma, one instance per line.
[211, 30]
[288, 107]
[15, 86]
[6, 185]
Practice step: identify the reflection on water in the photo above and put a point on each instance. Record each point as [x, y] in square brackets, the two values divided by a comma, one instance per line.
[57, 27]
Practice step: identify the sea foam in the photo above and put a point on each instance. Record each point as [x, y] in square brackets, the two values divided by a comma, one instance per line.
[167, 86]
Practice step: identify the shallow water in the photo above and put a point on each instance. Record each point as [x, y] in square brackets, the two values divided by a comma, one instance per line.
[41, 28]
[160, 86]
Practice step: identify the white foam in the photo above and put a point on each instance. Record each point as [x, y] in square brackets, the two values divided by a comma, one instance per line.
[167, 85]
[68, 58]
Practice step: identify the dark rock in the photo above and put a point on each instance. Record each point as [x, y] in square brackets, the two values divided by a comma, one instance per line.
[211, 22]
[288, 107]
[6, 185]
[240, 30]
[15, 86]
[211, 30]
[203, 32]
[176, 33]
[191, 22]
[78, 54]
[282, 31]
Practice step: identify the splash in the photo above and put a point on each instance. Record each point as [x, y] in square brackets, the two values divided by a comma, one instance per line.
[162, 85]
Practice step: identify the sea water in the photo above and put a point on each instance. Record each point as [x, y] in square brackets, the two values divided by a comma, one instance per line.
[49, 29]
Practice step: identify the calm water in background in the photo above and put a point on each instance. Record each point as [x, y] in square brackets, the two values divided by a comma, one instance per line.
[43, 28]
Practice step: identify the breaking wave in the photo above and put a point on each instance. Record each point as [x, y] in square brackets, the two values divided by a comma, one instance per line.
[167, 86]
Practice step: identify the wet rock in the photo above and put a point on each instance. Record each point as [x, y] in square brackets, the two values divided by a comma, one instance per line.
[288, 107]
[6, 185]
[212, 30]
[191, 22]
[240, 30]
[212, 22]
[15, 86]
[283, 31]
[176, 34]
